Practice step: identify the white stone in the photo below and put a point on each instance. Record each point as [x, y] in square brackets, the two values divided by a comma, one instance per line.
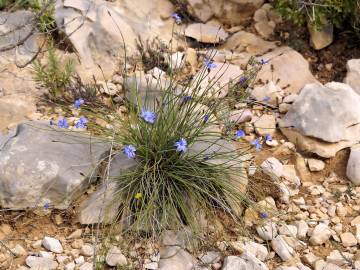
[86, 266]
[206, 33]
[353, 74]
[302, 228]
[272, 167]
[315, 165]
[267, 231]
[80, 260]
[52, 244]
[75, 234]
[176, 60]
[151, 266]
[348, 239]
[41, 263]
[288, 230]
[114, 257]
[339, 258]
[320, 234]
[281, 248]
[290, 98]
[70, 266]
[87, 250]
[18, 251]
[353, 165]
[246, 261]
[266, 124]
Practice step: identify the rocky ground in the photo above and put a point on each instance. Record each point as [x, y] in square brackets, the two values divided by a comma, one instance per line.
[313, 157]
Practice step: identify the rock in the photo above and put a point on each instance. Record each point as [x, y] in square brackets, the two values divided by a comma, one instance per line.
[281, 248]
[322, 38]
[108, 88]
[266, 124]
[234, 12]
[247, 42]
[284, 107]
[70, 266]
[87, 250]
[52, 244]
[75, 234]
[315, 165]
[290, 70]
[240, 116]
[200, 9]
[105, 27]
[302, 228]
[290, 98]
[114, 257]
[41, 263]
[355, 221]
[30, 176]
[348, 239]
[80, 260]
[352, 169]
[151, 266]
[206, 33]
[265, 29]
[322, 265]
[272, 167]
[288, 230]
[326, 131]
[320, 234]
[175, 258]
[244, 262]
[268, 91]
[353, 74]
[258, 250]
[18, 251]
[268, 231]
[175, 61]
[210, 257]
[100, 206]
[219, 78]
[339, 258]
[86, 266]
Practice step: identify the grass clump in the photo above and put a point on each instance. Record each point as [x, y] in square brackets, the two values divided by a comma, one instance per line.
[185, 168]
[341, 13]
[55, 75]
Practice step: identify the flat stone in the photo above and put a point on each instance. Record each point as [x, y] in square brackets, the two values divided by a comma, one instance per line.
[244, 262]
[87, 250]
[273, 167]
[52, 244]
[339, 258]
[86, 266]
[348, 239]
[41, 263]
[206, 33]
[315, 165]
[176, 258]
[322, 38]
[288, 68]
[288, 230]
[266, 124]
[31, 177]
[352, 169]
[267, 231]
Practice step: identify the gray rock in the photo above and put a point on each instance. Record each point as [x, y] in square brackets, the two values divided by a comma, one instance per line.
[329, 129]
[40, 164]
[41, 263]
[52, 244]
[281, 248]
[353, 74]
[244, 262]
[114, 257]
[102, 205]
[175, 258]
[353, 165]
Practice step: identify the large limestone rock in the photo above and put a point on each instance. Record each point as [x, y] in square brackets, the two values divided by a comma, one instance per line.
[42, 165]
[290, 70]
[324, 119]
[98, 30]
[353, 74]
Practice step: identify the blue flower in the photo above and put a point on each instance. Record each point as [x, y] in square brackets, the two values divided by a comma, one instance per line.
[263, 215]
[51, 122]
[209, 64]
[266, 99]
[148, 116]
[264, 62]
[186, 98]
[243, 80]
[129, 151]
[206, 118]
[82, 122]
[257, 144]
[78, 103]
[176, 18]
[240, 133]
[63, 123]
[46, 206]
[206, 157]
[181, 145]
[268, 137]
